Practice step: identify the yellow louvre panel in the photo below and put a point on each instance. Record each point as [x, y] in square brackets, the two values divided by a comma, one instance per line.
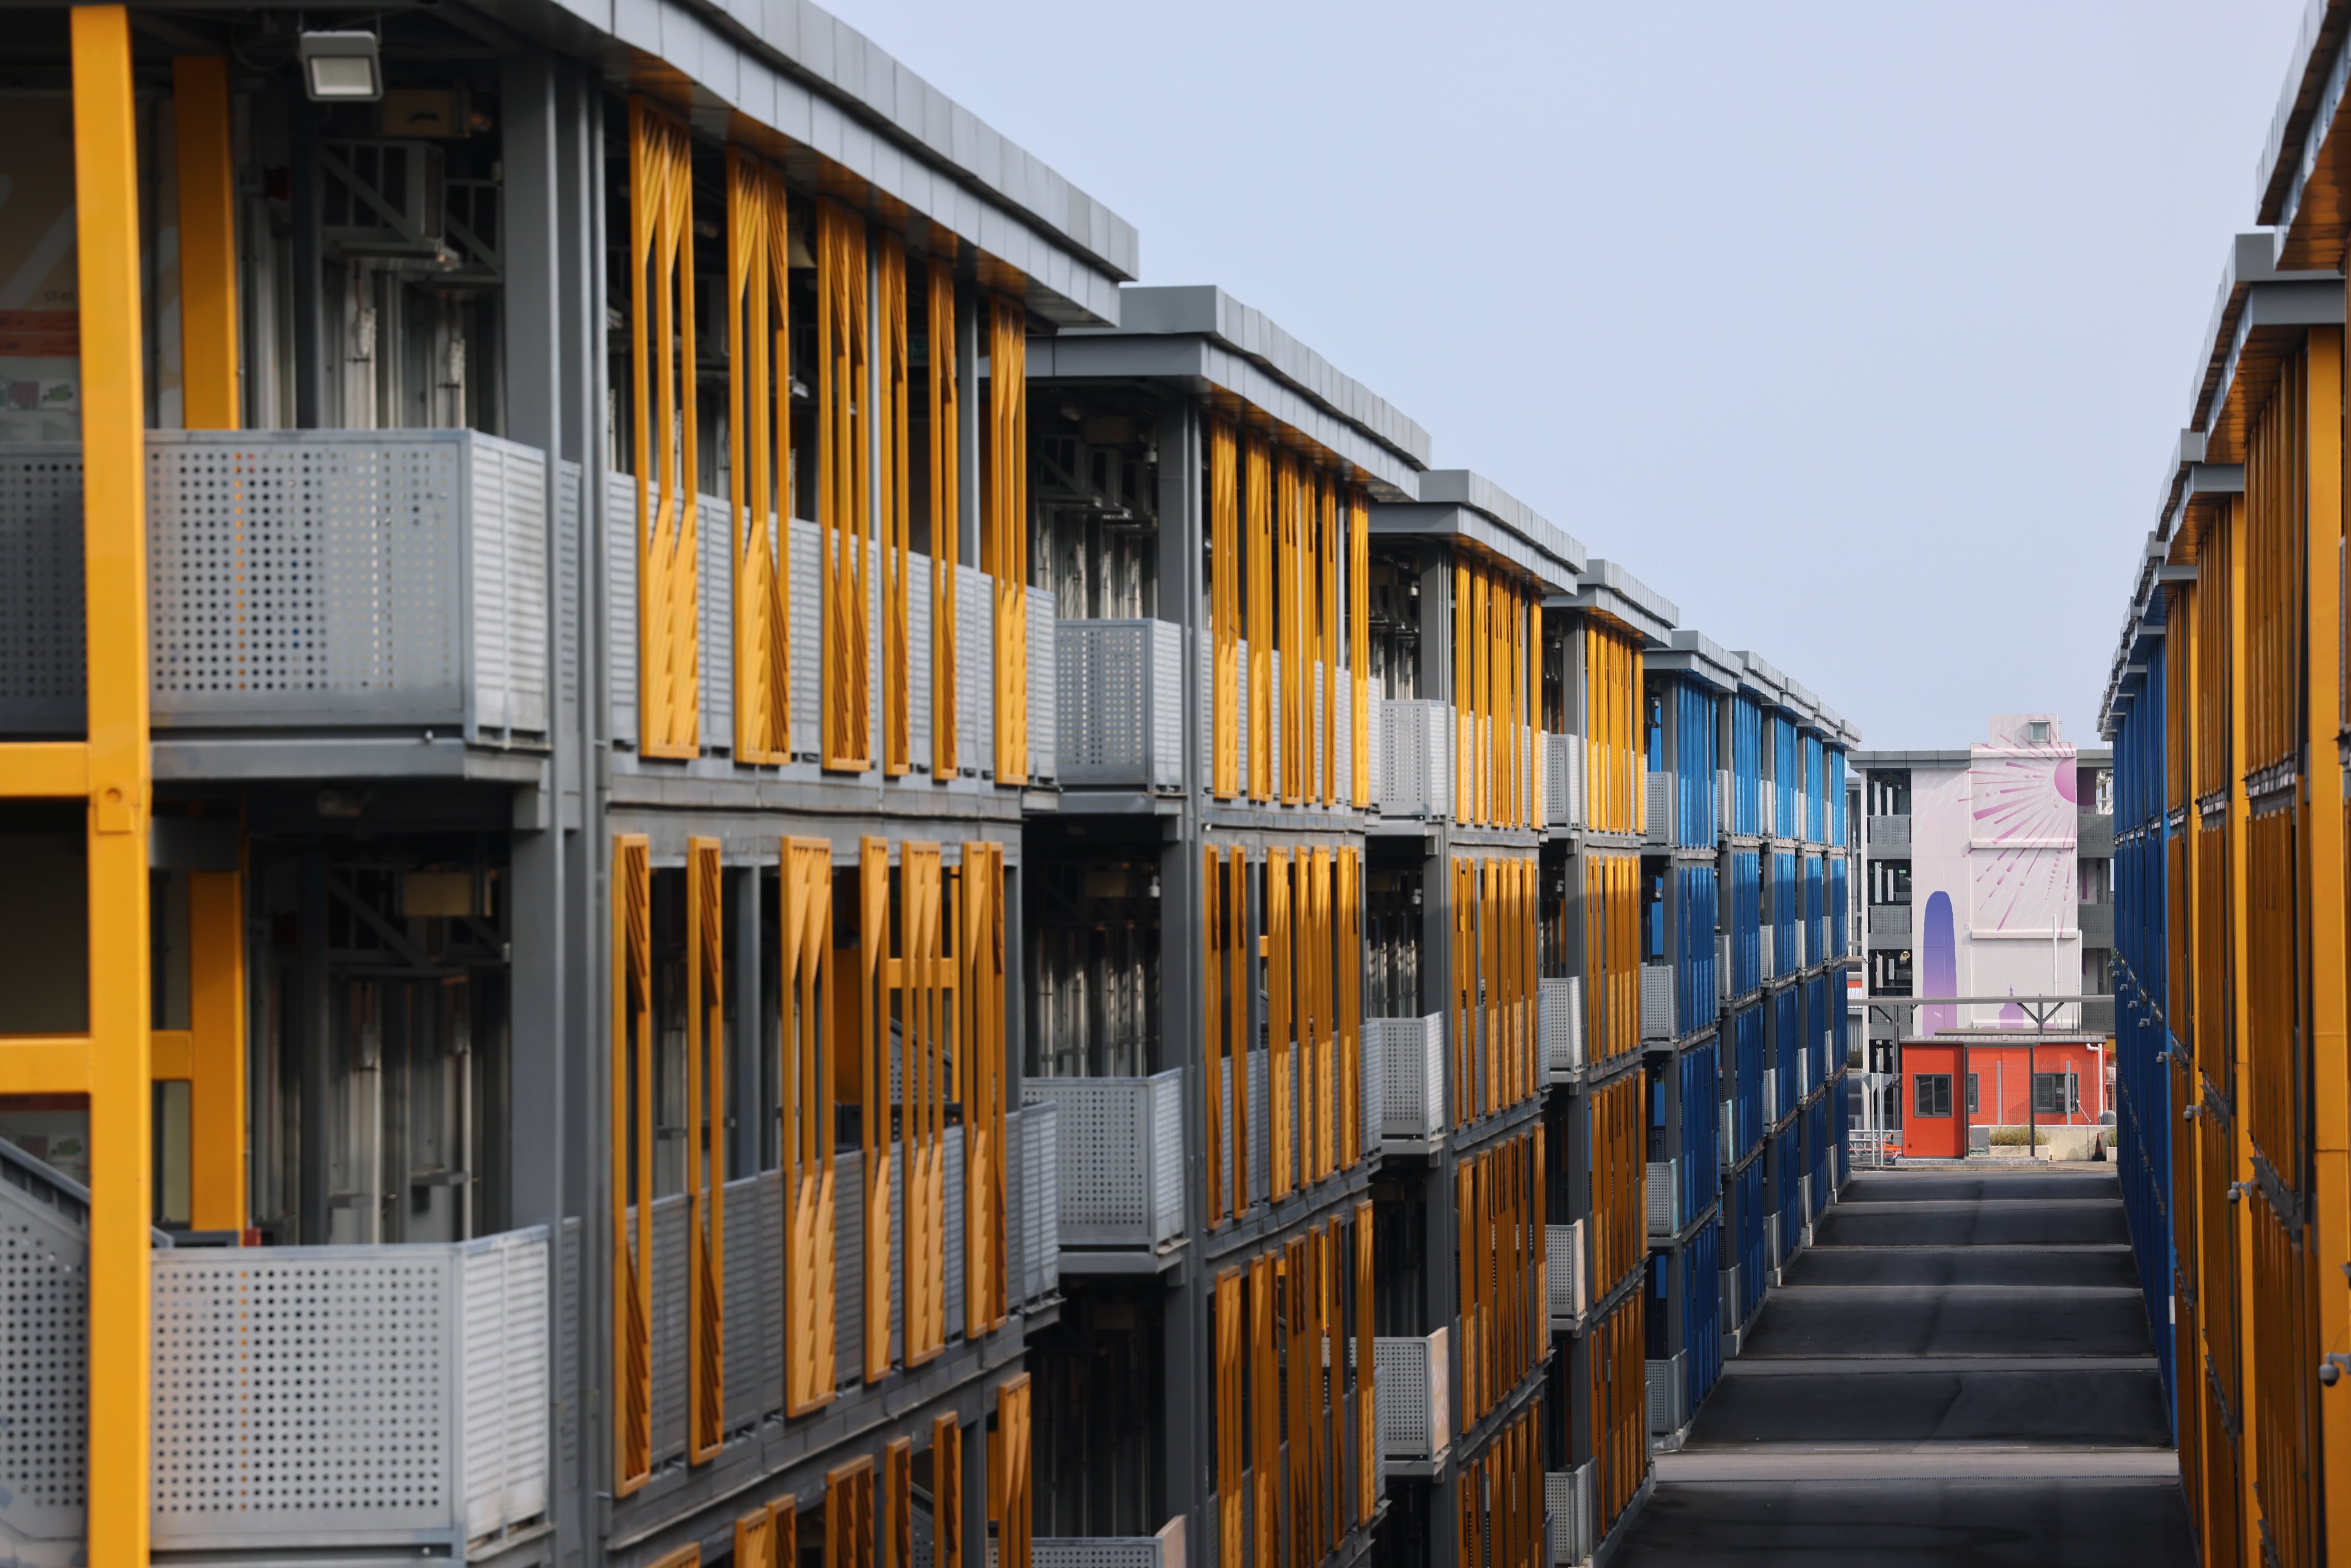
[946, 1491]
[207, 197]
[1347, 962]
[873, 1064]
[1359, 642]
[1258, 589]
[1326, 637]
[1279, 1002]
[755, 1539]
[923, 984]
[705, 1152]
[947, 520]
[1314, 950]
[849, 1515]
[1290, 638]
[661, 374]
[1230, 1436]
[1368, 1420]
[1006, 535]
[1265, 1412]
[632, 1178]
[1463, 1043]
[1224, 607]
[1009, 1474]
[895, 480]
[844, 484]
[1225, 1010]
[758, 432]
[806, 1101]
[979, 1001]
[898, 1504]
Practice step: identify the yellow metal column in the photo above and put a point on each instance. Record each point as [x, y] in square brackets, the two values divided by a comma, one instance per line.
[207, 190]
[105, 198]
[2239, 905]
[2323, 867]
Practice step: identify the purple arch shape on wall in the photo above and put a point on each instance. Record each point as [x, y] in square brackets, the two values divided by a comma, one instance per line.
[1938, 964]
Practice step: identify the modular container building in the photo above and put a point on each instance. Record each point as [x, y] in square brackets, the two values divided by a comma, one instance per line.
[2226, 705]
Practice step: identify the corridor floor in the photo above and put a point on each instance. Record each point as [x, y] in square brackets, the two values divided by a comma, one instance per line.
[1957, 1372]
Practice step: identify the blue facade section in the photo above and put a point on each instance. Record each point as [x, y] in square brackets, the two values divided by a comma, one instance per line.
[1788, 1196]
[1702, 1149]
[1815, 821]
[1746, 767]
[1750, 1206]
[1836, 799]
[1788, 771]
[1787, 1039]
[1816, 1028]
[1746, 1047]
[1746, 873]
[1701, 1263]
[1816, 937]
[1694, 959]
[2144, 1112]
[1840, 937]
[1784, 911]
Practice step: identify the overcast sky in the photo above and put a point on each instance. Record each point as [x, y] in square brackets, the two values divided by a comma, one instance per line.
[1861, 331]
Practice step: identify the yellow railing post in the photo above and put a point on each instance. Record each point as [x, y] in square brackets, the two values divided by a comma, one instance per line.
[113, 418]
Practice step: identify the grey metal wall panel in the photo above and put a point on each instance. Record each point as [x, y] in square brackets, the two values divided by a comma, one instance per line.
[621, 603]
[41, 592]
[806, 590]
[669, 1327]
[715, 540]
[849, 1265]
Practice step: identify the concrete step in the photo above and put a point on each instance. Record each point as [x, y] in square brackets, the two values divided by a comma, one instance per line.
[1951, 1320]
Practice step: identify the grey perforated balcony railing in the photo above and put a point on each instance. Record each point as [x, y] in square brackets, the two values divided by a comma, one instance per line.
[1121, 685]
[1163, 1549]
[308, 1401]
[301, 580]
[1412, 1076]
[1558, 1024]
[1416, 759]
[1415, 1380]
[1120, 1165]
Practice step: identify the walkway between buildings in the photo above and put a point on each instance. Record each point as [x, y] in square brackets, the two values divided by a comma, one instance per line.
[1958, 1371]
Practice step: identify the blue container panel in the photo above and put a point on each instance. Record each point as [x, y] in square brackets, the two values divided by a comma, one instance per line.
[1746, 923]
[1784, 910]
[1816, 937]
[1702, 1312]
[1836, 797]
[1840, 1129]
[1751, 1206]
[1748, 1062]
[1840, 920]
[1690, 712]
[1840, 1022]
[1816, 1025]
[1746, 767]
[2144, 1113]
[1694, 981]
[1787, 1039]
[1787, 773]
[1787, 1165]
[1701, 1150]
[1815, 823]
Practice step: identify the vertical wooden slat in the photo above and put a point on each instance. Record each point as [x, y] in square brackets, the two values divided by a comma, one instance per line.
[1005, 541]
[806, 1081]
[755, 1541]
[1259, 587]
[758, 432]
[1224, 608]
[898, 1504]
[848, 1514]
[633, 1180]
[1231, 1438]
[1217, 1057]
[1265, 1412]
[946, 514]
[662, 370]
[1348, 964]
[979, 1002]
[924, 993]
[894, 481]
[844, 485]
[873, 1059]
[1359, 640]
[1240, 961]
[1367, 1419]
[705, 1152]
[1326, 641]
[1280, 1006]
[1290, 637]
[1009, 1474]
[946, 1491]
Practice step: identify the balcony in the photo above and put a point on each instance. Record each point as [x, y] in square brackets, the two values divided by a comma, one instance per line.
[1668, 1393]
[391, 580]
[1765, 969]
[1657, 800]
[1558, 1025]
[1412, 1077]
[2097, 924]
[975, 607]
[1889, 837]
[1416, 759]
[1121, 719]
[310, 1402]
[1665, 1199]
[1414, 1380]
[1165, 1550]
[1570, 1287]
[1657, 1001]
[1118, 1170]
[1567, 1499]
[1562, 781]
[2094, 835]
[1889, 920]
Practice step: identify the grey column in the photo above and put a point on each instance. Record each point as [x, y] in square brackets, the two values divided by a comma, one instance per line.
[311, 1027]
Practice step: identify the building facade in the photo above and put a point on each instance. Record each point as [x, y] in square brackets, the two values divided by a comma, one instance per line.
[1989, 872]
[2225, 705]
[720, 856]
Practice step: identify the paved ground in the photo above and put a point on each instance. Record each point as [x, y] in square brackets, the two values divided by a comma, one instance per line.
[1957, 1372]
